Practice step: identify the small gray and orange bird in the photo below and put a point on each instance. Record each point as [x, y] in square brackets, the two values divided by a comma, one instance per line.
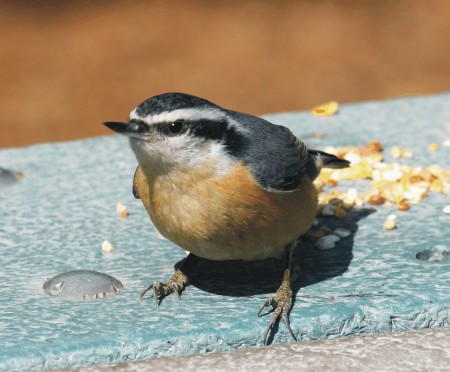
[223, 185]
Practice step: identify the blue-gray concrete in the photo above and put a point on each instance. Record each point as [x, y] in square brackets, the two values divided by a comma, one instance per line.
[55, 219]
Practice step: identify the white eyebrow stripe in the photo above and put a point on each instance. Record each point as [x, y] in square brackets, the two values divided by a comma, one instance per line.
[180, 114]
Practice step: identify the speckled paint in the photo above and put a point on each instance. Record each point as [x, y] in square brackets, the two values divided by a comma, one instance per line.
[55, 219]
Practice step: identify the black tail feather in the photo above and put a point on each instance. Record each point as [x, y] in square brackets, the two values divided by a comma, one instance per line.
[330, 160]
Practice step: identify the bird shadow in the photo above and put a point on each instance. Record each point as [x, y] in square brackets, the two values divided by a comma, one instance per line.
[247, 278]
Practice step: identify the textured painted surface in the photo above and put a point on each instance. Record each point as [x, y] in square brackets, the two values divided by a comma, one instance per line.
[55, 219]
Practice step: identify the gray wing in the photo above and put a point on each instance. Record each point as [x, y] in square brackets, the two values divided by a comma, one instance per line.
[275, 156]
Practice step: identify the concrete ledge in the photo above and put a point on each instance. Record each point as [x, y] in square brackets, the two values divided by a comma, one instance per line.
[424, 350]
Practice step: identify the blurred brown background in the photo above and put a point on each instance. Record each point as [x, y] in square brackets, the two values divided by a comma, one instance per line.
[69, 65]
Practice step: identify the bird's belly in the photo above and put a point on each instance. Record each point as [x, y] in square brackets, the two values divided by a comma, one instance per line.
[230, 217]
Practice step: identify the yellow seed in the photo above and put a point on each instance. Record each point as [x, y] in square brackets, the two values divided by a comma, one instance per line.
[433, 146]
[327, 109]
[402, 206]
[437, 185]
[406, 153]
[415, 179]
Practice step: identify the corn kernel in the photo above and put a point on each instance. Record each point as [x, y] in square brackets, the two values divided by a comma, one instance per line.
[406, 153]
[331, 182]
[374, 146]
[433, 146]
[403, 205]
[326, 109]
[376, 200]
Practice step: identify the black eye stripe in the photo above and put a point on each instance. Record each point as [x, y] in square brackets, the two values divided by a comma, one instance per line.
[235, 143]
[218, 130]
[208, 129]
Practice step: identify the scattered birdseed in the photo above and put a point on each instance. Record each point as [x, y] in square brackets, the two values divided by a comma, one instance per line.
[390, 222]
[341, 232]
[122, 210]
[433, 146]
[398, 152]
[327, 242]
[107, 246]
[327, 109]
[375, 146]
[403, 205]
[376, 199]
[392, 183]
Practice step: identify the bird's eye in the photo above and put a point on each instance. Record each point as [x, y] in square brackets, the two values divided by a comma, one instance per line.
[176, 127]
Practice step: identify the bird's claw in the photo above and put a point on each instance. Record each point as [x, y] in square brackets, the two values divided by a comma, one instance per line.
[281, 308]
[160, 290]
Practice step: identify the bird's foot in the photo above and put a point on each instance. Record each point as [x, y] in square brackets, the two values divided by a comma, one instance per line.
[175, 284]
[281, 304]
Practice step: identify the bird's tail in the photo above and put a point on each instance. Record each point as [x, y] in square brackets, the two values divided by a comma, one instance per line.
[319, 159]
[329, 160]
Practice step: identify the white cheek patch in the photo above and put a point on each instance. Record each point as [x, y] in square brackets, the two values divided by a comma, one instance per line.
[224, 163]
[166, 154]
[189, 151]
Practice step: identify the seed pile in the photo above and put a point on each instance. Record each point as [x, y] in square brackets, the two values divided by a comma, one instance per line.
[391, 185]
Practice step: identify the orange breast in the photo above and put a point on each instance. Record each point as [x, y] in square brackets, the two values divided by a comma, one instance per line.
[225, 218]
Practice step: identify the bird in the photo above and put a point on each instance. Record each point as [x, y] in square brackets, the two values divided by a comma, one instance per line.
[223, 185]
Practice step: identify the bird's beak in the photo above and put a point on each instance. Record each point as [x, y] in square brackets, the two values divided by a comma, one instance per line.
[131, 129]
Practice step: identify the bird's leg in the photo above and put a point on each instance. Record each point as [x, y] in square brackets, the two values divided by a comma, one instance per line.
[176, 283]
[282, 302]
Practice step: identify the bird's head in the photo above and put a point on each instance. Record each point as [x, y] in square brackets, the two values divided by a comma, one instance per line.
[176, 130]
